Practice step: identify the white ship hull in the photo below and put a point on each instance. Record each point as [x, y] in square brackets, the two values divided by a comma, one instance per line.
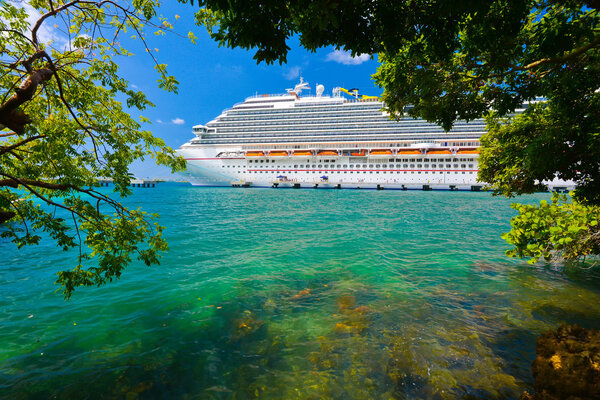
[204, 169]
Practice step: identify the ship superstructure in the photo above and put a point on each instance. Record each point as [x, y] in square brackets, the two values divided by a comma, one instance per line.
[330, 141]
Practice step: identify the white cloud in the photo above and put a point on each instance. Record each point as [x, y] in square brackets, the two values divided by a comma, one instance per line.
[178, 121]
[160, 121]
[46, 33]
[344, 57]
[292, 73]
[229, 71]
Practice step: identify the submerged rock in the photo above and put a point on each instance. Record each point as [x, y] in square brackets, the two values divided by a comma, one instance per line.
[345, 303]
[246, 325]
[301, 294]
[567, 364]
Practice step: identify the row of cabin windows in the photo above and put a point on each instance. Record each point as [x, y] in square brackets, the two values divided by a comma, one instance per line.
[391, 160]
[371, 164]
[303, 110]
[473, 142]
[338, 116]
[270, 126]
[230, 117]
[414, 160]
[377, 166]
[312, 121]
[280, 120]
[324, 136]
[358, 166]
[364, 172]
[335, 125]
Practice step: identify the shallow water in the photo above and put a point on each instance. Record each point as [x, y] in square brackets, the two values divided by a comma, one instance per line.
[303, 294]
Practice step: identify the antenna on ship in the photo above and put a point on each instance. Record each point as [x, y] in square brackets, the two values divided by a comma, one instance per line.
[298, 88]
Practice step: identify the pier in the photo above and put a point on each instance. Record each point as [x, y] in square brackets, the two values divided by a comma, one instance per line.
[144, 183]
[329, 184]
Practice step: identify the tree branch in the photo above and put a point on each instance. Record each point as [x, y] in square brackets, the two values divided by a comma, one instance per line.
[7, 149]
[566, 57]
[28, 183]
[12, 118]
[16, 32]
[593, 4]
[556, 60]
[53, 11]
[6, 216]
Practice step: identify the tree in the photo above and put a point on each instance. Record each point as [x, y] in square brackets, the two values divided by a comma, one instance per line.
[64, 128]
[559, 229]
[463, 60]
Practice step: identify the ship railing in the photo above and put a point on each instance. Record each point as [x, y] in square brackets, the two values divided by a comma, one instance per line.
[258, 96]
[263, 95]
[363, 100]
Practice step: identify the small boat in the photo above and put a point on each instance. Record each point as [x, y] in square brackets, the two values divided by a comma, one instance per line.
[282, 181]
[438, 152]
[255, 154]
[328, 153]
[278, 154]
[409, 152]
[360, 153]
[302, 153]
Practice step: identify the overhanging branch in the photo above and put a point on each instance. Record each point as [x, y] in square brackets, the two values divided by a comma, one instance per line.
[10, 116]
[8, 149]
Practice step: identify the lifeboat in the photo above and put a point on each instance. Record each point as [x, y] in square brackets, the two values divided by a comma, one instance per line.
[409, 152]
[360, 153]
[438, 152]
[302, 153]
[278, 154]
[328, 153]
[255, 154]
[381, 153]
[468, 151]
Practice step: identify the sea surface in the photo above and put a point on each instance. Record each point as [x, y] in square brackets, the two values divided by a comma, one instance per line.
[294, 294]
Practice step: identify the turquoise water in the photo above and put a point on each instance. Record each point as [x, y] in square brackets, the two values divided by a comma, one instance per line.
[294, 294]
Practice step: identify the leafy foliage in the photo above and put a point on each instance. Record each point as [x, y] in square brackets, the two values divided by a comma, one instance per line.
[559, 229]
[64, 128]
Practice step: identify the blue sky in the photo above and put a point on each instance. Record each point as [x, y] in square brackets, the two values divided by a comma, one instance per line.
[213, 78]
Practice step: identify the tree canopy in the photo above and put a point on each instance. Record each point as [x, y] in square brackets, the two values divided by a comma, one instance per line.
[65, 127]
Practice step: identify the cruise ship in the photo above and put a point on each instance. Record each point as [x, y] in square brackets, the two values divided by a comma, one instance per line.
[345, 140]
